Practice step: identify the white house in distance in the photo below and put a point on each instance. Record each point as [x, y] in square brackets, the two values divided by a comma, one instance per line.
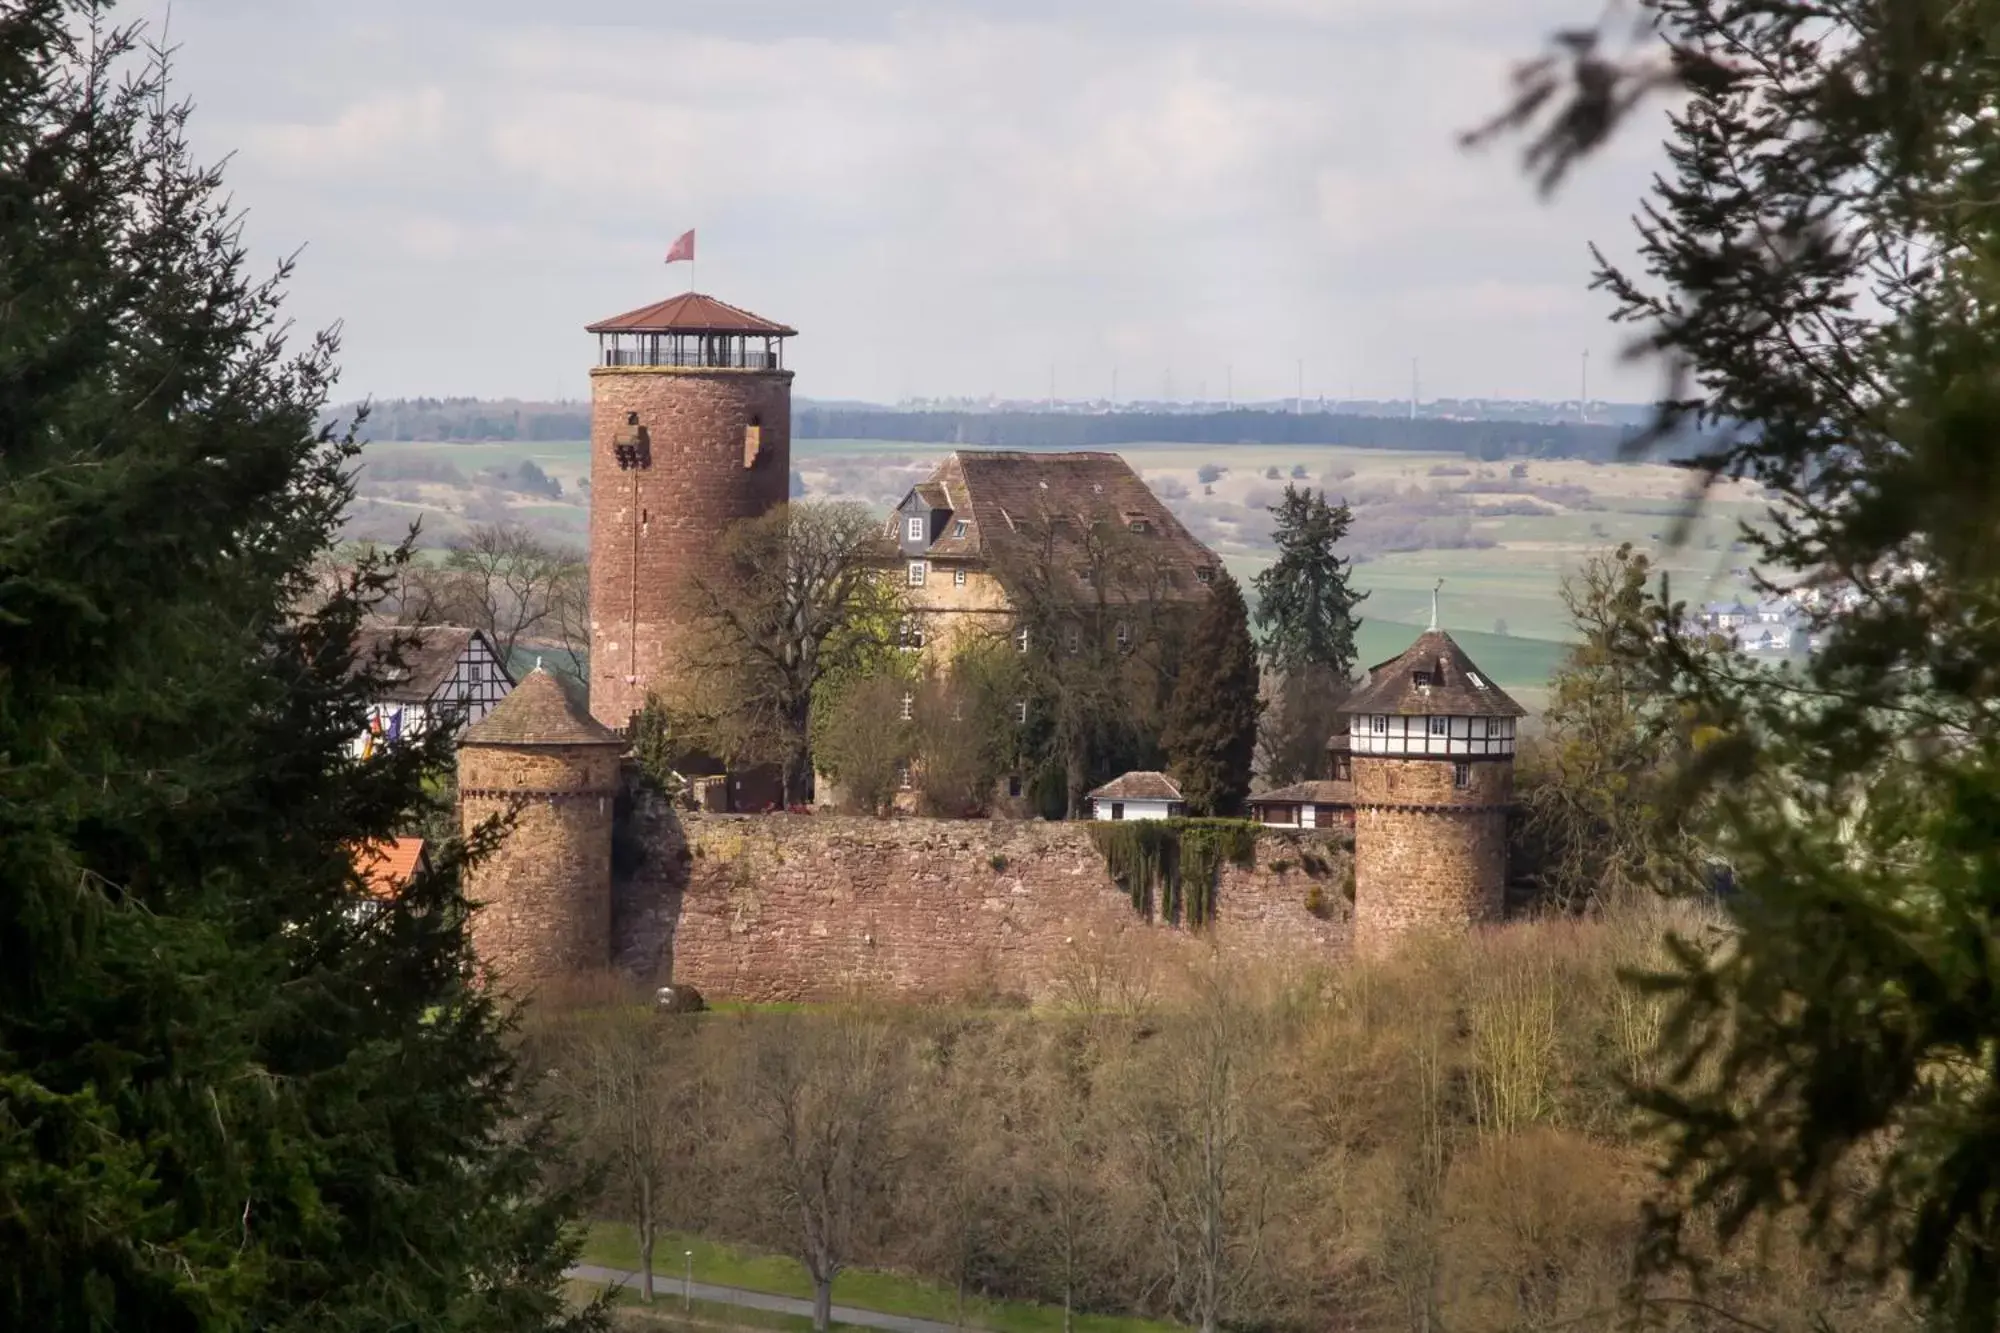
[1140, 795]
[447, 670]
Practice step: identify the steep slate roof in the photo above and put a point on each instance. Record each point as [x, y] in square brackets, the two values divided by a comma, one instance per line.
[429, 655]
[1006, 494]
[1394, 687]
[691, 312]
[539, 711]
[1139, 786]
[385, 867]
[1317, 791]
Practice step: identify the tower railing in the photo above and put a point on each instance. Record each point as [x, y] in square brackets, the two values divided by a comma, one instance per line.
[719, 358]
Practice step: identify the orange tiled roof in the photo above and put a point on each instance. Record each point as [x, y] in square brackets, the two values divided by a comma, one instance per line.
[691, 312]
[386, 867]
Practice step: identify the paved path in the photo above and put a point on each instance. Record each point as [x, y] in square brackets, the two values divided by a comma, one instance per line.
[667, 1288]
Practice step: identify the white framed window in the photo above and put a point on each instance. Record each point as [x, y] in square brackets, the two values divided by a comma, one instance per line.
[1378, 724]
[958, 529]
[910, 636]
[909, 705]
[914, 529]
[1204, 574]
[1021, 639]
[1461, 776]
[958, 576]
[1440, 726]
[1477, 683]
[916, 573]
[1123, 634]
[903, 777]
[1021, 711]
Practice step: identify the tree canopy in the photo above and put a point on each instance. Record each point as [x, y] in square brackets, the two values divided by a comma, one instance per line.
[1211, 731]
[230, 1097]
[1305, 607]
[1818, 265]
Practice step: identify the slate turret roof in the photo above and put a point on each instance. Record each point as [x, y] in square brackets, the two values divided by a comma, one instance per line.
[1432, 677]
[539, 711]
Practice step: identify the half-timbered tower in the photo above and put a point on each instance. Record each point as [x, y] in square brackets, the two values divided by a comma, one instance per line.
[1432, 756]
[690, 430]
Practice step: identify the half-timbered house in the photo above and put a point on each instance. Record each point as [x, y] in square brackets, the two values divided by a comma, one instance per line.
[444, 673]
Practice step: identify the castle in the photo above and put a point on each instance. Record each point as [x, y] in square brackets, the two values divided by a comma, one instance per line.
[691, 429]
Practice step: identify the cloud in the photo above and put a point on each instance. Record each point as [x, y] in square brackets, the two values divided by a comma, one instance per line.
[947, 197]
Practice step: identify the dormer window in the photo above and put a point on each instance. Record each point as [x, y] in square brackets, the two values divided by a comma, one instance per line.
[1139, 525]
[1423, 680]
[913, 530]
[1203, 574]
[959, 528]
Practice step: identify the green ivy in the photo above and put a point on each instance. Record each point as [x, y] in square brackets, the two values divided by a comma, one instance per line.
[1170, 866]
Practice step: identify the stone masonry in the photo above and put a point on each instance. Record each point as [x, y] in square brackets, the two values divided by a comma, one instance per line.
[784, 907]
[547, 887]
[1427, 855]
[651, 526]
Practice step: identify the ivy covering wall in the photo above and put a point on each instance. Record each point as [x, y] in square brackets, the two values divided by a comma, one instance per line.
[1170, 867]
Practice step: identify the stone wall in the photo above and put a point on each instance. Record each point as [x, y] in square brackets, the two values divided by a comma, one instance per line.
[650, 526]
[546, 889]
[781, 907]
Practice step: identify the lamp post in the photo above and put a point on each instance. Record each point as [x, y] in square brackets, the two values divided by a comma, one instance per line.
[687, 1285]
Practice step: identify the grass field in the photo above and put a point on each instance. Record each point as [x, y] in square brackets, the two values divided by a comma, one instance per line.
[613, 1245]
[1500, 535]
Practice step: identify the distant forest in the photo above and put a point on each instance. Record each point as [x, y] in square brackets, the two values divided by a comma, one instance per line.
[471, 419]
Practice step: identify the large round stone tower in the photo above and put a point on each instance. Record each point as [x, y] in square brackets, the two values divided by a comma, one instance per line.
[546, 889]
[690, 430]
[1432, 746]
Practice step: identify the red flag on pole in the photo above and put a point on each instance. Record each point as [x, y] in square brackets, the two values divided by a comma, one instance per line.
[682, 248]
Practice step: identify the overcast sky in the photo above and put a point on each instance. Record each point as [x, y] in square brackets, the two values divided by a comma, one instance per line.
[944, 198]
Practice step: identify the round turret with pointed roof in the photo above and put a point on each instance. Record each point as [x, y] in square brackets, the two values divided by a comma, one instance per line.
[539, 763]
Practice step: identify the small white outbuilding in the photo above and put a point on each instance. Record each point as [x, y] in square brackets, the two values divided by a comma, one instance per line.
[1141, 795]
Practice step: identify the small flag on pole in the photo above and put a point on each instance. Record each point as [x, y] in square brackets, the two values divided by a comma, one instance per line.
[682, 248]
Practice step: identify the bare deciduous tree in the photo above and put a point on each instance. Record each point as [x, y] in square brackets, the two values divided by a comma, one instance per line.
[621, 1095]
[820, 1140]
[1193, 1115]
[799, 592]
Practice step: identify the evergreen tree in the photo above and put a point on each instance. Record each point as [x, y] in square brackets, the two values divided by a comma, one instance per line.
[1211, 732]
[1303, 716]
[228, 1099]
[1305, 608]
[1819, 268]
